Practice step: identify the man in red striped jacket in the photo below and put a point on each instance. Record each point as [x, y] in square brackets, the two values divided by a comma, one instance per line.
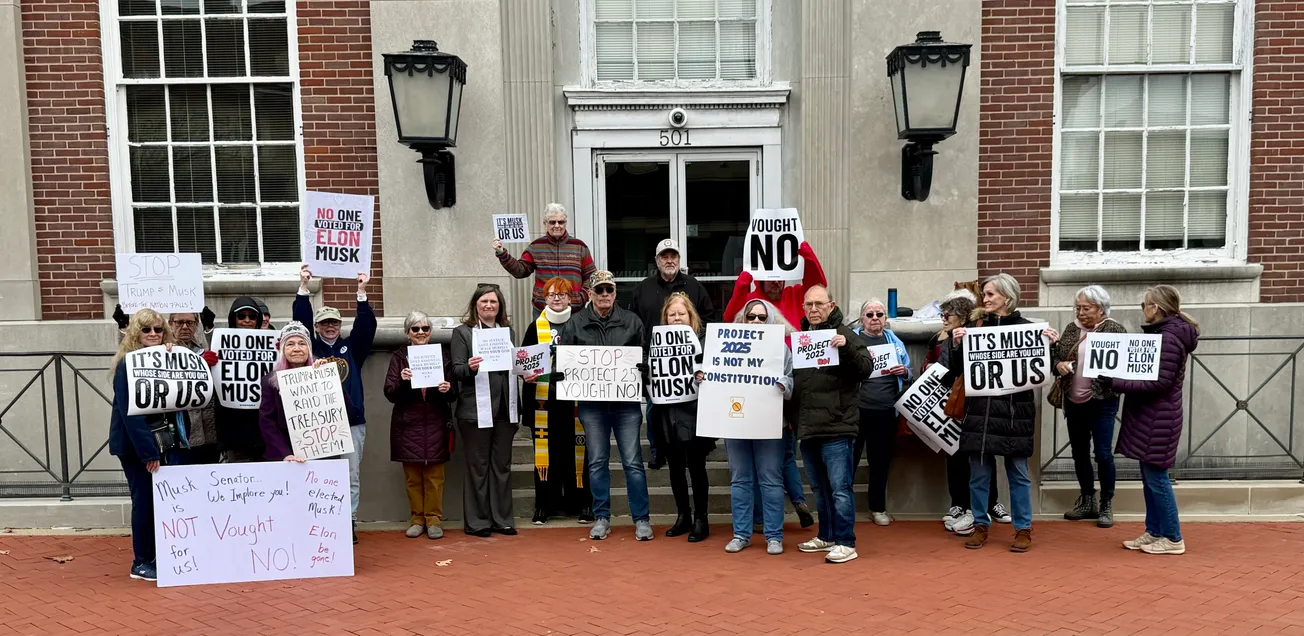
[556, 253]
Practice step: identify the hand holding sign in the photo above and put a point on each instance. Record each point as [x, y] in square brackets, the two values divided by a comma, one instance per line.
[1122, 356]
[511, 228]
[1006, 360]
[164, 378]
[815, 349]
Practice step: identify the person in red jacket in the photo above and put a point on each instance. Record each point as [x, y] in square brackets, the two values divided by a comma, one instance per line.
[787, 297]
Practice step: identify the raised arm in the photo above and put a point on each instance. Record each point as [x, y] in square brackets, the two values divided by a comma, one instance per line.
[517, 267]
[814, 271]
[742, 287]
[302, 310]
[364, 324]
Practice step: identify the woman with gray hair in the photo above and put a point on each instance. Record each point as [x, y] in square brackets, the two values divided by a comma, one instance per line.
[1089, 405]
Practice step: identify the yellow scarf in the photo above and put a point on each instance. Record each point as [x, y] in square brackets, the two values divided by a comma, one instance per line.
[544, 329]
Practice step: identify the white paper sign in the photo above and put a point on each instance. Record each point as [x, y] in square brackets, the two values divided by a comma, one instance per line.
[885, 357]
[671, 363]
[811, 349]
[167, 283]
[337, 231]
[162, 381]
[533, 358]
[314, 411]
[770, 248]
[923, 405]
[740, 397]
[600, 374]
[495, 346]
[244, 357]
[1005, 360]
[265, 521]
[1122, 356]
[512, 228]
[427, 365]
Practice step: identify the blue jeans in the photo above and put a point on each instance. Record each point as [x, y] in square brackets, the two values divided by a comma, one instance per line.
[756, 463]
[981, 468]
[600, 420]
[829, 468]
[1161, 503]
[791, 474]
[359, 434]
[1091, 428]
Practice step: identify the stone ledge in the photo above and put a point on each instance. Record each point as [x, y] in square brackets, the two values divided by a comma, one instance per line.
[1197, 499]
[1148, 273]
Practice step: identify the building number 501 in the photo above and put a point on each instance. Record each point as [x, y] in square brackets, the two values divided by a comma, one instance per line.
[675, 138]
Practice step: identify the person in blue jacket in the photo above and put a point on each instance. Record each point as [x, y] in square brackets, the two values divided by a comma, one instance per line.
[353, 350]
[878, 395]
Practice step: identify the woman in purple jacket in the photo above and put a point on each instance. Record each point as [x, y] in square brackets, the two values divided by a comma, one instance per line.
[1152, 418]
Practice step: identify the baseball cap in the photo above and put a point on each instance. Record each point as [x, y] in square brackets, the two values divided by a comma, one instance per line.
[325, 313]
[601, 277]
[668, 244]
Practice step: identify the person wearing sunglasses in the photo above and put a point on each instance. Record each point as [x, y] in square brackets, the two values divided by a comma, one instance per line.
[554, 254]
[879, 421]
[239, 437]
[786, 295]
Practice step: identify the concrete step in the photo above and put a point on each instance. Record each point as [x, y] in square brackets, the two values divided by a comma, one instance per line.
[523, 450]
[717, 473]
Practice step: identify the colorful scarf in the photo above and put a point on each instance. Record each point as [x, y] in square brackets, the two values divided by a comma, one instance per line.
[544, 328]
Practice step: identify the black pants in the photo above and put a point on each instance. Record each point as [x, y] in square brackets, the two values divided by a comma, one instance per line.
[1091, 427]
[206, 454]
[487, 487]
[561, 493]
[141, 486]
[688, 457]
[957, 482]
[878, 430]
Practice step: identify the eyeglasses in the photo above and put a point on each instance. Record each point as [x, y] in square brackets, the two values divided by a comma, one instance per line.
[874, 314]
[183, 323]
[946, 315]
[329, 323]
[815, 305]
[555, 222]
[558, 296]
[1147, 304]
[420, 329]
[151, 330]
[604, 290]
[1084, 308]
[757, 317]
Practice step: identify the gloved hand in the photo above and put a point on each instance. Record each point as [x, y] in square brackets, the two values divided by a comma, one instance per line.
[206, 318]
[1106, 382]
[210, 357]
[120, 317]
[558, 376]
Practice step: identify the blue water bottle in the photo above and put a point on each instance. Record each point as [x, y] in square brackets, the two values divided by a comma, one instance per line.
[891, 302]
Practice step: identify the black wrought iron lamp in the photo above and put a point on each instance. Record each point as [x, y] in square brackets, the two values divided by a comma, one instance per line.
[927, 81]
[425, 88]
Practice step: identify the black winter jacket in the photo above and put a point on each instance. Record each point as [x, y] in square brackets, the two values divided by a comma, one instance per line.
[828, 399]
[239, 429]
[1000, 424]
[621, 328]
[651, 294]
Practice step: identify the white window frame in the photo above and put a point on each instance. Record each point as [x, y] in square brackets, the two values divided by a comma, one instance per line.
[589, 57]
[115, 102]
[1234, 250]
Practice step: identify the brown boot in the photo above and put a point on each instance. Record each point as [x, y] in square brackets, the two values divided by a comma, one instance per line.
[978, 538]
[1022, 540]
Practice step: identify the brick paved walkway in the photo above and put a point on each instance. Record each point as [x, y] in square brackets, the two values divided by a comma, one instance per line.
[910, 578]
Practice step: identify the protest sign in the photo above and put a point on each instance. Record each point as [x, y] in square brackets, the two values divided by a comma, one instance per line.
[770, 248]
[1005, 360]
[162, 381]
[671, 363]
[314, 411]
[740, 397]
[244, 356]
[337, 230]
[600, 374]
[512, 228]
[427, 365]
[265, 521]
[495, 347]
[167, 283]
[923, 405]
[811, 349]
[885, 357]
[533, 358]
[1122, 356]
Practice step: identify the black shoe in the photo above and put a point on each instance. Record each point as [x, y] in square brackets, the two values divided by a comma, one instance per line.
[1085, 508]
[508, 531]
[804, 515]
[586, 515]
[657, 461]
[683, 523]
[355, 533]
[701, 529]
[482, 533]
[540, 517]
[1106, 519]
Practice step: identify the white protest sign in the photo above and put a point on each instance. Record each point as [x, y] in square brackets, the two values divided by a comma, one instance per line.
[167, 283]
[533, 358]
[337, 231]
[600, 374]
[885, 357]
[314, 411]
[1123, 356]
[265, 521]
[495, 347]
[244, 357]
[1005, 360]
[512, 228]
[923, 405]
[811, 349]
[427, 365]
[740, 397]
[770, 248]
[162, 381]
[671, 363]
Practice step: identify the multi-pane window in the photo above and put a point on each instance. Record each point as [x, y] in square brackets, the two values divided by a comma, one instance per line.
[1148, 95]
[667, 40]
[207, 91]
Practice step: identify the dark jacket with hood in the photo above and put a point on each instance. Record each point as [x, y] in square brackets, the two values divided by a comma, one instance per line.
[997, 424]
[353, 349]
[238, 429]
[419, 426]
[1152, 410]
[651, 293]
[828, 398]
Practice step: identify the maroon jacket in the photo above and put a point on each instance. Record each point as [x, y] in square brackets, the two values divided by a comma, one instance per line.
[1152, 410]
[419, 430]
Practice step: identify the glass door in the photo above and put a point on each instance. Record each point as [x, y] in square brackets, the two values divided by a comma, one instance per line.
[716, 199]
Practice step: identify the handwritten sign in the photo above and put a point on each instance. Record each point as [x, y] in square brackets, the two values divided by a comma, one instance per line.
[1123, 356]
[1005, 360]
[600, 374]
[811, 349]
[512, 228]
[314, 411]
[740, 397]
[495, 346]
[427, 365]
[266, 521]
[167, 283]
[162, 381]
[244, 357]
[885, 357]
[337, 232]
[923, 405]
[533, 358]
[672, 363]
[772, 243]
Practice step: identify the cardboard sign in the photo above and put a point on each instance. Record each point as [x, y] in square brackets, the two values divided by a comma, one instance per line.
[740, 397]
[885, 357]
[533, 358]
[1122, 356]
[770, 249]
[163, 381]
[495, 347]
[167, 283]
[244, 357]
[672, 363]
[427, 365]
[1005, 360]
[922, 405]
[265, 521]
[512, 228]
[337, 231]
[600, 374]
[811, 349]
[314, 411]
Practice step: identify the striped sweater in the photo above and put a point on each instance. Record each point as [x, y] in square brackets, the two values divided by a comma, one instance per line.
[546, 258]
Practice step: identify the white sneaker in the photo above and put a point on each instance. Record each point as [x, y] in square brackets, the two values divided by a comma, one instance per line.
[951, 515]
[816, 545]
[841, 554]
[1000, 515]
[963, 526]
[1145, 539]
[736, 545]
[1163, 545]
[881, 518]
[774, 546]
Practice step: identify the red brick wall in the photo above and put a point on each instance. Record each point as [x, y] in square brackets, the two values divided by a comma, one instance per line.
[1277, 151]
[1015, 120]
